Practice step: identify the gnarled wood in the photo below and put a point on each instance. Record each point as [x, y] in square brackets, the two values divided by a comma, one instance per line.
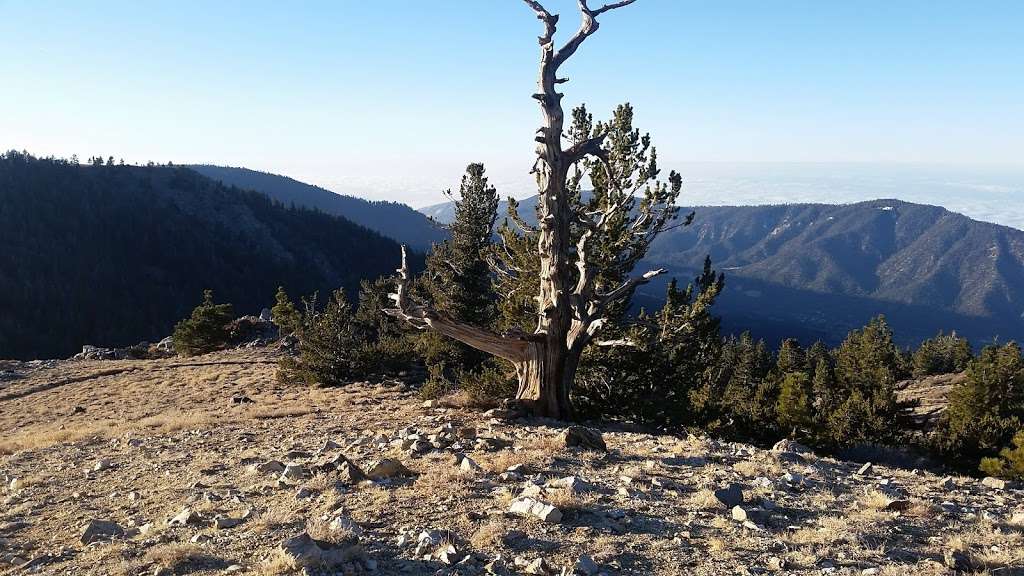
[570, 311]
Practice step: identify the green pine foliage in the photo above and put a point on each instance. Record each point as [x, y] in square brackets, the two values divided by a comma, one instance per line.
[1009, 463]
[284, 314]
[328, 346]
[863, 405]
[793, 408]
[656, 362]
[458, 282]
[943, 354]
[386, 344]
[205, 330]
[987, 410]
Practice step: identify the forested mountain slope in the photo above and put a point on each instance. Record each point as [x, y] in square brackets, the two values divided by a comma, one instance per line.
[391, 219]
[112, 255]
[817, 270]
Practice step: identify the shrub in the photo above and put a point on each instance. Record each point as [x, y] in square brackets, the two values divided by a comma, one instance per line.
[205, 330]
[1010, 463]
[793, 408]
[284, 314]
[328, 346]
[944, 354]
[986, 410]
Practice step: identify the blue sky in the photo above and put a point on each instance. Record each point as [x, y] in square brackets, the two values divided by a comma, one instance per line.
[392, 98]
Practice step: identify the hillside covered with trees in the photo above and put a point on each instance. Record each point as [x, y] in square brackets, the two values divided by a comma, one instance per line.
[817, 271]
[392, 219]
[109, 254]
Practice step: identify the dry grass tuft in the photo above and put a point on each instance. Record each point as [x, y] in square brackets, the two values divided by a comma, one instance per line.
[488, 536]
[175, 556]
[704, 499]
[274, 413]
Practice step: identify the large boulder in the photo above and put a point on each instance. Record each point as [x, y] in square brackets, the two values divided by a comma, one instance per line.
[586, 438]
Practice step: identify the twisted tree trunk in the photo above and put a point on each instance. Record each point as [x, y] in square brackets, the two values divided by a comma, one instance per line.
[570, 311]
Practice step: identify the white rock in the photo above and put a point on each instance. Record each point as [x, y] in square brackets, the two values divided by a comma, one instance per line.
[346, 524]
[469, 465]
[529, 507]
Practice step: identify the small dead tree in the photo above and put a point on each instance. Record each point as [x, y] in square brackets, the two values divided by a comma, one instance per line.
[574, 296]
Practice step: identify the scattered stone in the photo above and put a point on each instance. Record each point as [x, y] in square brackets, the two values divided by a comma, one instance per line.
[584, 438]
[539, 566]
[994, 483]
[101, 465]
[898, 505]
[792, 446]
[11, 527]
[956, 560]
[731, 495]
[343, 523]
[222, 522]
[776, 564]
[303, 551]
[387, 468]
[294, 472]
[469, 465]
[571, 483]
[201, 538]
[865, 469]
[16, 484]
[525, 506]
[96, 530]
[349, 473]
[271, 467]
[586, 566]
[186, 517]
[497, 567]
[242, 399]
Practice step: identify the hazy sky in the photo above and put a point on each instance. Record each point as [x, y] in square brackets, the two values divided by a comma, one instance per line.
[390, 99]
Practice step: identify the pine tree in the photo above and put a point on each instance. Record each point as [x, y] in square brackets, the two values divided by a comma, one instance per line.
[205, 330]
[943, 354]
[284, 314]
[658, 361]
[868, 366]
[793, 408]
[574, 294]
[986, 410]
[1010, 463]
[458, 282]
[386, 347]
[791, 358]
[328, 346]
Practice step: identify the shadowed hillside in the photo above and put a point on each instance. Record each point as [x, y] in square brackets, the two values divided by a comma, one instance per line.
[817, 270]
[392, 219]
[115, 254]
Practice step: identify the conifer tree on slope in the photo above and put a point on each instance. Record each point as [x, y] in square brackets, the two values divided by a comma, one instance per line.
[458, 278]
[579, 285]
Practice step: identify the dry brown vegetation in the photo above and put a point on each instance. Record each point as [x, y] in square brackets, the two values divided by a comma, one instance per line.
[174, 438]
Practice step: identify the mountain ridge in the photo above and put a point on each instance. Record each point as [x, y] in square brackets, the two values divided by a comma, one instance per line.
[112, 255]
[392, 219]
[819, 270]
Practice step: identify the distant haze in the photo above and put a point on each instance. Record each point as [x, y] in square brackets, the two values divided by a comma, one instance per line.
[987, 193]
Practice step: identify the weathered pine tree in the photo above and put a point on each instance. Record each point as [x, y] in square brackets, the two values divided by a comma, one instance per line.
[579, 284]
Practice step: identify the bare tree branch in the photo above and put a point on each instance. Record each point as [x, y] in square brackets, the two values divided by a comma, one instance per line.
[588, 26]
[423, 317]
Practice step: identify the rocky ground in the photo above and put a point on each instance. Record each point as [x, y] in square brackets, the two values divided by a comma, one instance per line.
[209, 466]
